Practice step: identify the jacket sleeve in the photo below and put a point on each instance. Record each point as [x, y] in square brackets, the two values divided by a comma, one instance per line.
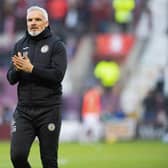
[13, 76]
[54, 73]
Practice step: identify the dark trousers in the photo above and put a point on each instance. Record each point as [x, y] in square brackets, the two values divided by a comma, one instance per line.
[29, 122]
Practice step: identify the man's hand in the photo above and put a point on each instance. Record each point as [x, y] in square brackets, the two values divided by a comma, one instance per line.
[22, 63]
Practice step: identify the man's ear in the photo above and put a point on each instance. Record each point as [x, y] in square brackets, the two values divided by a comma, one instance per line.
[46, 24]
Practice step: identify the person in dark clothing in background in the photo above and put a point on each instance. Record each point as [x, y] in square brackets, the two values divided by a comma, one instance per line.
[38, 66]
[150, 108]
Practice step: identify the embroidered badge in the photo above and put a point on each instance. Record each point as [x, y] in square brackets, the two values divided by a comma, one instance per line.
[44, 49]
[51, 127]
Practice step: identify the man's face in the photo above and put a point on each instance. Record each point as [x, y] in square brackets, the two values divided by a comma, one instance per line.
[36, 22]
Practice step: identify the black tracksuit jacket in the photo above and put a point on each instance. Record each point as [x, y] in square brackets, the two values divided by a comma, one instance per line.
[43, 86]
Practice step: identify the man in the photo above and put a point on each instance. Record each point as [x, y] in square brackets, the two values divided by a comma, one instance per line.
[91, 111]
[38, 66]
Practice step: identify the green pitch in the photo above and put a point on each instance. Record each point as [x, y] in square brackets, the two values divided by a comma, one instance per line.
[136, 154]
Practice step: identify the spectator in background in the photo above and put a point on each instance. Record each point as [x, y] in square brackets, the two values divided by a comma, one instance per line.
[9, 20]
[19, 13]
[91, 111]
[57, 10]
[108, 72]
[84, 12]
[150, 108]
[2, 16]
[123, 13]
[72, 20]
[101, 12]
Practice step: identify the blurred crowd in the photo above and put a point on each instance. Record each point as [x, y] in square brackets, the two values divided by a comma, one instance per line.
[71, 19]
[73, 14]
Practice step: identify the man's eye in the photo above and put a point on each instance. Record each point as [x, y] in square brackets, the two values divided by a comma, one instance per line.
[29, 20]
[38, 19]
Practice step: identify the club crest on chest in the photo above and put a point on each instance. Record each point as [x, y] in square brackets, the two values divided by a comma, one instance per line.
[44, 49]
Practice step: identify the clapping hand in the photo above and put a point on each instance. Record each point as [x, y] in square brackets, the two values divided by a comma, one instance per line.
[22, 63]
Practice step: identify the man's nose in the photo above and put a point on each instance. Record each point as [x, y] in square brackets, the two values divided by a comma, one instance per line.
[33, 22]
